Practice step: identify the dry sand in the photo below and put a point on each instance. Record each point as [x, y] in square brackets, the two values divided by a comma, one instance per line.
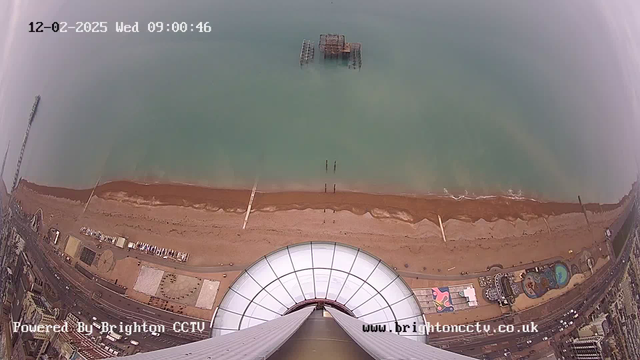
[402, 231]
[407, 208]
[208, 224]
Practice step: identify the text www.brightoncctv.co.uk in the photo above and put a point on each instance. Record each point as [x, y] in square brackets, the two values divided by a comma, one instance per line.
[445, 328]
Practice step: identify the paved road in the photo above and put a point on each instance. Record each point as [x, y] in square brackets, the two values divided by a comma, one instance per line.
[111, 307]
[123, 253]
[473, 276]
[548, 322]
[114, 306]
[546, 316]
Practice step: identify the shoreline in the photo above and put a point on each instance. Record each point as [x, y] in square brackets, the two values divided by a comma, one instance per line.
[214, 236]
[406, 208]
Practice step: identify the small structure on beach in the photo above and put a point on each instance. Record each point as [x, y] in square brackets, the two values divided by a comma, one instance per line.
[501, 288]
[333, 46]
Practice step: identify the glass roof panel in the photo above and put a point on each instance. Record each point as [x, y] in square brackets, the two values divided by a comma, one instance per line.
[411, 326]
[280, 262]
[227, 320]
[292, 285]
[257, 311]
[375, 303]
[364, 265]
[396, 291]
[265, 299]
[219, 332]
[381, 277]
[363, 294]
[275, 284]
[279, 292]
[405, 308]
[322, 254]
[351, 285]
[322, 282]
[261, 272]
[246, 286]
[335, 284]
[307, 282]
[248, 322]
[234, 302]
[344, 258]
[301, 256]
[380, 316]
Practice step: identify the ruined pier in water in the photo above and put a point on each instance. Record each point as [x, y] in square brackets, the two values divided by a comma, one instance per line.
[355, 56]
[307, 52]
[335, 46]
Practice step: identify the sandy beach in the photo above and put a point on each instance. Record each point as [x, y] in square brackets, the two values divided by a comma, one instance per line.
[406, 208]
[403, 231]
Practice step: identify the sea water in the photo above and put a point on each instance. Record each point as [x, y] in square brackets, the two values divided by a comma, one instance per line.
[475, 98]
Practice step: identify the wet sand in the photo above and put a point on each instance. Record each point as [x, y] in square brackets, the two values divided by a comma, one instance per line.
[402, 231]
[412, 209]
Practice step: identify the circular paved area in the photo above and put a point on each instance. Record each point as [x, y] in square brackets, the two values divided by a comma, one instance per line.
[179, 287]
[106, 261]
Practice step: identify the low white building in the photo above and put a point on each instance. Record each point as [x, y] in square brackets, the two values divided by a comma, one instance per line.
[598, 327]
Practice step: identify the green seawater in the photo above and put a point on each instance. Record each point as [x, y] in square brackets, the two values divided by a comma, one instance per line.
[490, 97]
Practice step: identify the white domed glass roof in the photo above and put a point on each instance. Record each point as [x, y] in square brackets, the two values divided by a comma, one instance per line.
[349, 278]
